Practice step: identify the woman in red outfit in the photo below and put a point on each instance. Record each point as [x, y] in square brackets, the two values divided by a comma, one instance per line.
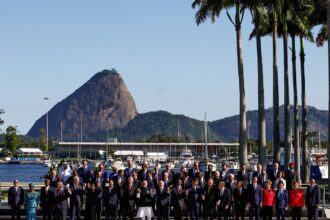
[296, 201]
[268, 201]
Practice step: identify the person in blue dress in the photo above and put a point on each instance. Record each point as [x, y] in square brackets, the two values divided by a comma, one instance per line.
[32, 199]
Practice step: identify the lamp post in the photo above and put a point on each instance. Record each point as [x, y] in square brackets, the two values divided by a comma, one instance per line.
[46, 99]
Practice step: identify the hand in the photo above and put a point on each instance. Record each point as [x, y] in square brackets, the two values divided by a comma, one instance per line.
[286, 209]
[227, 206]
[260, 205]
[138, 190]
[218, 203]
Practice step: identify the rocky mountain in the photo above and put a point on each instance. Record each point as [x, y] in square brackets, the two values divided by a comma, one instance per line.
[102, 103]
[104, 108]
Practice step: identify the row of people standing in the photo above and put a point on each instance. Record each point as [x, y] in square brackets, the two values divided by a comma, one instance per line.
[129, 193]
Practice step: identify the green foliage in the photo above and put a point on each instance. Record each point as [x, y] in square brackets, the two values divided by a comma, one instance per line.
[11, 138]
[1, 120]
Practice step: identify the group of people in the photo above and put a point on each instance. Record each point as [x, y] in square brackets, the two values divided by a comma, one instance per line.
[129, 193]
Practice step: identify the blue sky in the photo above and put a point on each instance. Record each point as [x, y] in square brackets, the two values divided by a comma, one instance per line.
[50, 48]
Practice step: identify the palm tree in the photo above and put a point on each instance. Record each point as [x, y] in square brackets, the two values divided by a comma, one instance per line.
[287, 133]
[212, 9]
[260, 20]
[317, 17]
[298, 25]
[274, 11]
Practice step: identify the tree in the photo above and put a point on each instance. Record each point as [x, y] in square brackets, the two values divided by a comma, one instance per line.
[1, 120]
[274, 12]
[260, 20]
[287, 133]
[11, 138]
[212, 9]
[298, 26]
[43, 140]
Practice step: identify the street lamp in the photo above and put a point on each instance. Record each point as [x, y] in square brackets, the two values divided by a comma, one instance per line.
[46, 99]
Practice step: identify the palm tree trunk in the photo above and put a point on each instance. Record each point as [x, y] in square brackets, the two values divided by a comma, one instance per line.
[276, 111]
[296, 114]
[242, 101]
[305, 160]
[261, 104]
[328, 23]
[287, 134]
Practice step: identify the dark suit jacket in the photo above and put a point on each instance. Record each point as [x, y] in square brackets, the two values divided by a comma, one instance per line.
[142, 175]
[281, 200]
[224, 198]
[15, 198]
[194, 198]
[208, 175]
[47, 200]
[54, 181]
[224, 175]
[178, 199]
[290, 178]
[111, 198]
[192, 174]
[254, 195]
[271, 175]
[241, 177]
[312, 196]
[210, 196]
[61, 199]
[163, 198]
[128, 197]
[84, 174]
[259, 175]
[240, 199]
[128, 172]
[77, 196]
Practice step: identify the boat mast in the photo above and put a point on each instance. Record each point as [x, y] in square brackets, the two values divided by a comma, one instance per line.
[205, 134]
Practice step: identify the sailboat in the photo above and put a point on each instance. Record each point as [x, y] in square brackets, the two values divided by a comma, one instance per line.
[203, 165]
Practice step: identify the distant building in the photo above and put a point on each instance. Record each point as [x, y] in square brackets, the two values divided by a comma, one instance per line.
[29, 152]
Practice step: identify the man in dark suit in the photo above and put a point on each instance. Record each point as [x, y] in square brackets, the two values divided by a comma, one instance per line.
[290, 176]
[178, 197]
[243, 175]
[54, 179]
[76, 200]
[61, 201]
[47, 200]
[281, 201]
[224, 173]
[111, 197]
[223, 201]
[258, 174]
[273, 173]
[128, 199]
[128, 171]
[209, 199]
[194, 200]
[240, 197]
[84, 172]
[312, 200]
[166, 180]
[143, 173]
[193, 172]
[163, 198]
[15, 199]
[209, 172]
[254, 198]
